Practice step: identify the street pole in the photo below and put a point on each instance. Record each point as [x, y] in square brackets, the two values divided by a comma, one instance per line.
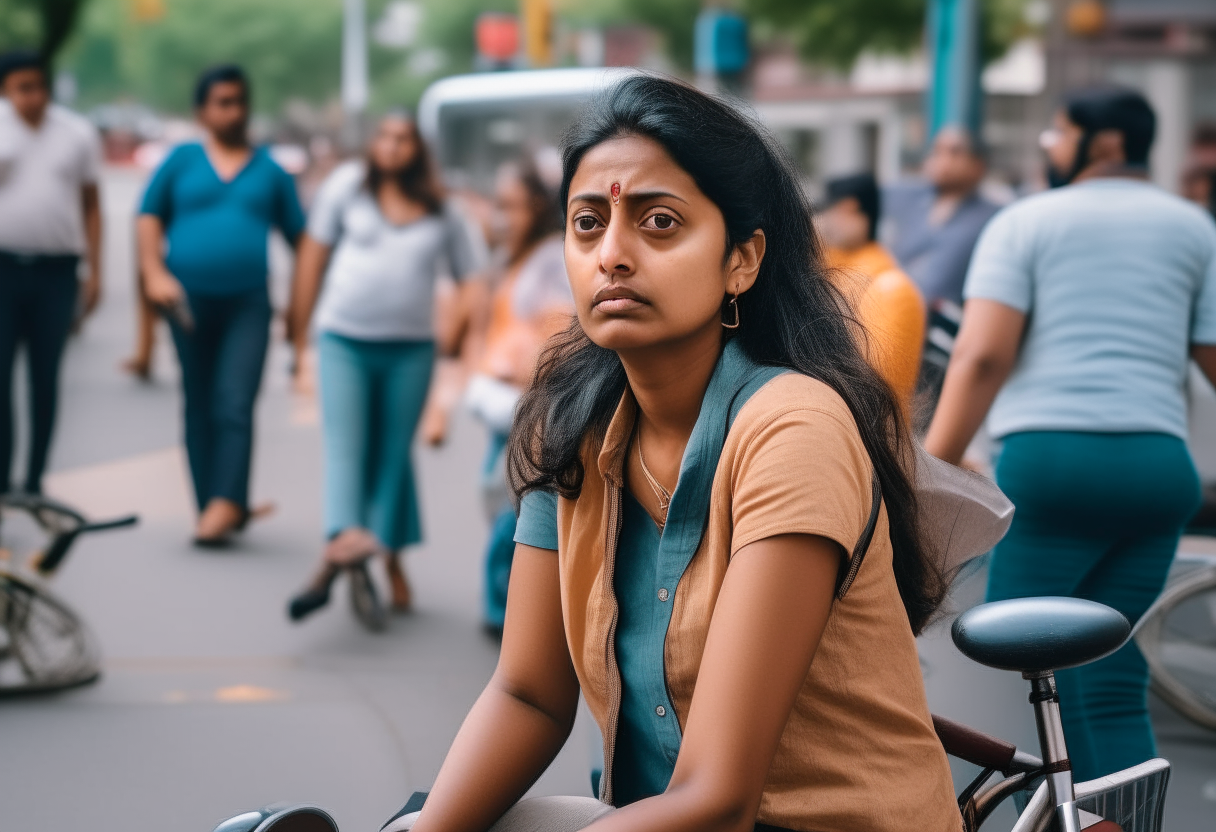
[953, 97]
[354, 72]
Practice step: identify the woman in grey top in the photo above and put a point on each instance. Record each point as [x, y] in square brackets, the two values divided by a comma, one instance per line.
[380, 235]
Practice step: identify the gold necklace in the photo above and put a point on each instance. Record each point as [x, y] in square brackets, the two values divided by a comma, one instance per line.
[660, 493]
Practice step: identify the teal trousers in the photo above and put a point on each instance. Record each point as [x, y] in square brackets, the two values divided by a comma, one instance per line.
[372, 394]
[1098, 516]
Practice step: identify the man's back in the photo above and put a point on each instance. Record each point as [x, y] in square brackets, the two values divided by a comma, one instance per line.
[1117, 278]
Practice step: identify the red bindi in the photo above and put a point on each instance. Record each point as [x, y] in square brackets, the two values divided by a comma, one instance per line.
[616, 193]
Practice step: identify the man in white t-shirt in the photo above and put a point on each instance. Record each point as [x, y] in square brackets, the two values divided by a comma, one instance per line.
[50, 218]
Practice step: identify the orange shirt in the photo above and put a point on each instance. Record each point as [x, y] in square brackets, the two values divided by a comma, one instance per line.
[890, 311]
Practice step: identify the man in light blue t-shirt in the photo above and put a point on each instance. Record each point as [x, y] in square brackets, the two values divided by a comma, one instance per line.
[1084, 306]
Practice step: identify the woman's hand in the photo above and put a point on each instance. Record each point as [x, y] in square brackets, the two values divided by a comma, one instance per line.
[767, 622]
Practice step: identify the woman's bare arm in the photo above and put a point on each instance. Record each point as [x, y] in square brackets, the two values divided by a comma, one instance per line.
[766, 626]
[311, 258]
[522, 718]
[984, 355]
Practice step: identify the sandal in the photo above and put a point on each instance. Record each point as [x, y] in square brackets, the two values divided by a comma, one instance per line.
[226, 535]
[399, 585]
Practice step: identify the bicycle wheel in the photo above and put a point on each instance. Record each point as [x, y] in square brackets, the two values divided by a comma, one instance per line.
[49, 644]
[1178, 640]
[365, 600]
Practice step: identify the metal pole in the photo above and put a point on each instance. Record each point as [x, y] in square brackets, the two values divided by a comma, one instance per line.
[952, 35]
[354, 71]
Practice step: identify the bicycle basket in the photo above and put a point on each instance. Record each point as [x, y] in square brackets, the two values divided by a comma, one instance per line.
[1133, 798]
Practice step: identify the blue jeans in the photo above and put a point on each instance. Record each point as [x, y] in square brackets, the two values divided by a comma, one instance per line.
[372, 395]
[1098, 517]
[500, 548]
[222, 360]
[37, 305]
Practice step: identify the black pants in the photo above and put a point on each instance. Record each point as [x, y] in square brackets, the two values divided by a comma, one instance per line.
[222, 360]
[37, 306]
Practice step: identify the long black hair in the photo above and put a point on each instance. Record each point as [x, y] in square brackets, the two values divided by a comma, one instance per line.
[417, 180]
[792, 317]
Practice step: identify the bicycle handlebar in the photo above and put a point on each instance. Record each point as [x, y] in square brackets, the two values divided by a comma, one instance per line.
[106, 525]
[58, 549]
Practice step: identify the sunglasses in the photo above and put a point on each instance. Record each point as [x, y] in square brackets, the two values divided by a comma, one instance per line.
[281, 819]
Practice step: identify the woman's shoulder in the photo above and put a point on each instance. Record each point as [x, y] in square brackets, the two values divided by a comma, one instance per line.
[794, 397]
[346, 178]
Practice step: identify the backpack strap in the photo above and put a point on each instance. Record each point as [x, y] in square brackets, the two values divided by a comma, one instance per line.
[758, 379]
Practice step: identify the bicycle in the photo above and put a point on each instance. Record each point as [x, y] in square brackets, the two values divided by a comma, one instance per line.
[44, 644]
[1036, 637]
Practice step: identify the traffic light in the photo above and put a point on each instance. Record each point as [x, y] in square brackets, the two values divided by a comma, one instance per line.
[538, 31]
[147, 10]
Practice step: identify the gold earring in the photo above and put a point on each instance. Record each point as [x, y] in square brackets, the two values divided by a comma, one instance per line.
[734, 304]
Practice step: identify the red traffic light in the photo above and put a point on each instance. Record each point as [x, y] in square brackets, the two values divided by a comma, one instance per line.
[497, 36]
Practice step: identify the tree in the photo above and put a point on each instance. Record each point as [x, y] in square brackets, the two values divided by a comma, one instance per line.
[37, 24]
[835, 32]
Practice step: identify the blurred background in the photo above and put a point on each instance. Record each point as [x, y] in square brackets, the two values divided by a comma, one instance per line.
[843, 83]
[210, 701]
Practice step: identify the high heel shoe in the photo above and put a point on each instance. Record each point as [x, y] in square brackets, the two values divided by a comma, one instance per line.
[315, 596]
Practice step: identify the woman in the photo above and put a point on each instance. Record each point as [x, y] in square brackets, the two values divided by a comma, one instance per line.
[531, 303]
[1084, 305]
[699, 458]
[380, 235]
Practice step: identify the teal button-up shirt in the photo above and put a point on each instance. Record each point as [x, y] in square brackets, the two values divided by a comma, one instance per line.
[648, 568]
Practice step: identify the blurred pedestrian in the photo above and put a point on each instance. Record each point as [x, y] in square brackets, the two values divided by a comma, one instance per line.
[379, 236]
[50, 218]
[531, 302]
[888, 307]
[1084, 307]
[1199, 186]
[202, 231]
[932, 225]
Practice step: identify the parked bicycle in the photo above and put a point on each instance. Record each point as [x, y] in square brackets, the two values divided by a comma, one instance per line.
[44, 644]
[1178, 633]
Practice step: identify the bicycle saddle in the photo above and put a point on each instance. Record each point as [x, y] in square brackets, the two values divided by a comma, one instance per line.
[1033, 635]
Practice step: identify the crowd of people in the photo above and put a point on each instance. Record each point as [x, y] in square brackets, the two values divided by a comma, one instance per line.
[699, 394]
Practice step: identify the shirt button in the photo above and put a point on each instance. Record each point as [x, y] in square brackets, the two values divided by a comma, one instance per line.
[661, 711]
[663, 594]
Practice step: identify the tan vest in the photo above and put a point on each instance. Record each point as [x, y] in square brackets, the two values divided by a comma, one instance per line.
[859, 751]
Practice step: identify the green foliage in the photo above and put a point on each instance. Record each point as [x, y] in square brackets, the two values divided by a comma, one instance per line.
[36, 24]
[289, 49]
[835, 32]
[674, 19]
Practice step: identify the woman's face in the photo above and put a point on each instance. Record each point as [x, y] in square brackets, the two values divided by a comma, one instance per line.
[393, 147]
[516, 212]
[646, 267]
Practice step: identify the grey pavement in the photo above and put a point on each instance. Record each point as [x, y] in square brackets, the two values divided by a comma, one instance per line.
[211, 702]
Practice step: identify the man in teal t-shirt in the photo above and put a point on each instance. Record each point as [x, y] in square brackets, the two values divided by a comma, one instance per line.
[203, 230]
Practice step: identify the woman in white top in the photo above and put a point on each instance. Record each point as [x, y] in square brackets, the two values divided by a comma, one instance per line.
[380, 235]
